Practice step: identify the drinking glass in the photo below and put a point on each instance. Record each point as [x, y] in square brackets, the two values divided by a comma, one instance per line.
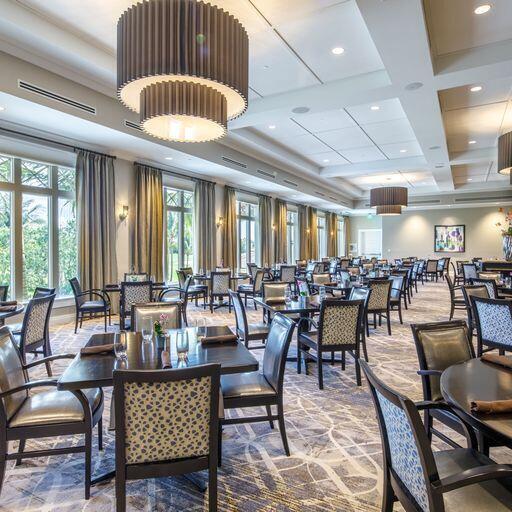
[287, 295]
[321, 293]
[182, 344]
[120, 345]
[201, 328]
[147, 330]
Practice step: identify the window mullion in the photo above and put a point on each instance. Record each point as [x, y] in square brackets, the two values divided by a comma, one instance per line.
[54, 229]
[17, 220]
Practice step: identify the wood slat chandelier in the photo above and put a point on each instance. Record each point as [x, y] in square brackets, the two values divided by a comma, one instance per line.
[388, 200]
[505, 154]
[183, 65]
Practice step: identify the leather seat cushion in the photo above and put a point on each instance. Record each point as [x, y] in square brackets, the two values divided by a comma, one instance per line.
[491, 496]
[255, 329]
[245, 384]
[197, 288]
[92, 304]
[245, 288]
[52, 406]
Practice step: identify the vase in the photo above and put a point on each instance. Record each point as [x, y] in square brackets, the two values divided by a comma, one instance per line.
[507, 247]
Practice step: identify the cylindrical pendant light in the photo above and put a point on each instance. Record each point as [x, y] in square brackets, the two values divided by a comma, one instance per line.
[389, 210]
[388, 196]
[505, 153]
[199, 46]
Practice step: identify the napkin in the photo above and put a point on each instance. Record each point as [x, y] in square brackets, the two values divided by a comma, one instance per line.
[6, 309]
[504, 361]
[98, 349]
[222, 338]
[275, 300]
[8, 303]
[494, 407]
[166, 360]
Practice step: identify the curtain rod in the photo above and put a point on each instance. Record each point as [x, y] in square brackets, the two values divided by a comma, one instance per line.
[53, 142]
[174, 173]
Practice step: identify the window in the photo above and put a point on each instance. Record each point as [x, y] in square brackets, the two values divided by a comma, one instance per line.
[37, 202]
[340, 223]
[292, 226]
[370, 242]
[247, 216]
[179, 252]
[322, 238]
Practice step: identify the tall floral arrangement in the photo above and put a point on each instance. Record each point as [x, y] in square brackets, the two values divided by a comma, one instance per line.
[506, 225]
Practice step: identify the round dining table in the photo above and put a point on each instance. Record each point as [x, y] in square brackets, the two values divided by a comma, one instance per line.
[7, 314]
[473, 380]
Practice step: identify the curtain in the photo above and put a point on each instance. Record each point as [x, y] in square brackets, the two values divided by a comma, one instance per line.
[205, 229]
[346, 235]
[280, 232]
[303, 233]
[148, 246]
[95, 199]
[229, 256]
[313, 233]
[265, 211]
[331, 226]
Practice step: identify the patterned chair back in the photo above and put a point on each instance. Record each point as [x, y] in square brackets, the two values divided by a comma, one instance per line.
[301, 263]
[310, 267]
[408, 458]
[153, 311]
[240, 315]
[469, 293]
[4, 290]
[321, 278]
[166, 415]
[187, 270]
[258, 279]
[493, 319]
[42, 292]
[220, 283]
[134, 292]
[182, 277]
[490, 284]
[276, 350]
[432, 266]
[274, 290]
[288, 273]
[35, 322]
[354, 271]
[136, 277]
[340, 322]
[344, 263]
[252, 268]
[77, 291]
[368, 266]
[469, 271]
[12, 373]
[381, 290]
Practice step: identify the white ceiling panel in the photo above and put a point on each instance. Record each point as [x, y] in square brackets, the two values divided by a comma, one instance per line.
[401, 149]
[280, 129]
[387, 111]
[390, 132]
[325, 121]
[327, 158]
[285, 10]
[496, 176]
[347, 138]
[305, 145]
[358, 155]
[461, 97]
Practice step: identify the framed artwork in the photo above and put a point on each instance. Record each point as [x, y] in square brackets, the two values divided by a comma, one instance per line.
[450, 238]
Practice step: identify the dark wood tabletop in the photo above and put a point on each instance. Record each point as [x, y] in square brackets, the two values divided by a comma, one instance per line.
[477, 380]
[88, 371]
[302, 305]
[7, 314]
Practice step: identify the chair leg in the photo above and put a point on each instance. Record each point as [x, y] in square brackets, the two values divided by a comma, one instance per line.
[428, 421]
[219, 446]
[320, 371]
[88, 450]
[299, 359]
[400, 312]
[76, 322]
[452, 310]
[358, 369]
[106, 320]
[282, 428]
[332, 358]
[21, 447]
[388, 319]
[343, 360]
[100, 434]
[212, 486]
[3, 461]
[374, 320]
[269, 414]
[120, 490]
[388, 496]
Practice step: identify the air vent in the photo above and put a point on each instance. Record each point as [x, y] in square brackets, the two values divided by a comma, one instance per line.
[131, 124]
[266, 173]
[321, 194]
[333, 198]
[291, 183]
[234, 162]
[482, 199]
[416, 203]
[56, 97]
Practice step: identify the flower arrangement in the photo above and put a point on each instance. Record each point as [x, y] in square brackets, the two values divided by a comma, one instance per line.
[161, 324]
[506, 226]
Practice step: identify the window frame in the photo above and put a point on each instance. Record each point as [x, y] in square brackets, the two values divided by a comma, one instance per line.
[340, 226]
[321, 225]
[292, 226]
[251, 218]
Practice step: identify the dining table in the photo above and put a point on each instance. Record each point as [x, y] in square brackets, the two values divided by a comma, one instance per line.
[96, 370]
[13, 312]
[474, 380]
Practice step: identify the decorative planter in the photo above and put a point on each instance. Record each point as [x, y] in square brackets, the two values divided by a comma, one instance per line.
[507, 247]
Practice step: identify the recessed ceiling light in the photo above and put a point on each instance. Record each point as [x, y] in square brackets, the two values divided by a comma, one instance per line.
[338, 50]
[482, 9]
[470, 179]
[301, 110]
[271, 126]
[374, 107]
[326, 160]
[169, 158]
[476, 88]
[1, 108]
[266, 66]
[413, 86]
[434, 147]
[472, 142]
[403, 151]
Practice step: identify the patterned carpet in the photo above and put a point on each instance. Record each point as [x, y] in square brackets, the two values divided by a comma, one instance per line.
[335, 462]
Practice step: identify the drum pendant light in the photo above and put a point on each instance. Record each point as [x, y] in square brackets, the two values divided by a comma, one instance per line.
[505, 154]
[183, 65]
[389, 200]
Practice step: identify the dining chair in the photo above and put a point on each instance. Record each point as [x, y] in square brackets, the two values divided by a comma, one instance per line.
[273, 291]
[324, 278]
[362, 293]
[252, 289]
[459, 271]
[34, 334]
[186, 293]
[339, 329]
[152, 312]
[354, 270]
[133, 292]
[167, 424]
[85, 306]
[440, 345]
[136, 277]
[344, 263]
[219, 288]
[423, 480]
[265, 389]
[38, 293]
[4, 290]
[379, 303]
[333, 266]
[252, 268]
[469, 272]
[431, 270]
[490, 284]
[493, 318]
[469, 292]
[246, 331]
[46, 413]
[398, 294]
[287, 274]
[457, 301]
[495, 276]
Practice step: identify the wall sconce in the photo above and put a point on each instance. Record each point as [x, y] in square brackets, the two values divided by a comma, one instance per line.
[273, 227]
[332, 233]
[124, 214]
[308, 231]
[220, 222]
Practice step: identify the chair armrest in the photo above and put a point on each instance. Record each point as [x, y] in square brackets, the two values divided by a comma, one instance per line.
[100, 294]
[423, 373]
[29, 385]
[473, 476]
[49, 358]
[309, 321]
[427, 404]
[163, 293]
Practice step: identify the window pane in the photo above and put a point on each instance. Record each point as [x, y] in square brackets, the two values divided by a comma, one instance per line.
[5, 239]
[66, 179]
[173, 197]
[68, 263]
[188, 240]
[35, 243]
[252, 255]
[188, 199]
[243, 244]
[5, 168]
[35, 174]
[173, 230]
[244, 209]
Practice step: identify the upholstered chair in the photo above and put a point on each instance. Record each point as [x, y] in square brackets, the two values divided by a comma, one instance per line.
[219, 288]
[339, 329]
[496, 276]
[354, 270]
[133, 292]
[398, 294]
[321, 278]
[379, 303]
[456, 298]
[265, 389]
[440, 345]
[469, 292]
[469, 271]
[245, 331]
[490, 284]
[287, 273]
[444, 480]
[493, 318]
[252, 268]
[344, 263]
[166, 424]
[136, 277]
[252, 289]
[273, 291]
[89, 303]
[46, 413]
[152, 311]
[432, 269]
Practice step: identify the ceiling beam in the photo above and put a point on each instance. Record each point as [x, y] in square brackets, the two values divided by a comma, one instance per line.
[398, 164]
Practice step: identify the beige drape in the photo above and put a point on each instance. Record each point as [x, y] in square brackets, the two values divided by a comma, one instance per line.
[229, 256]
[280, 231]
[265, 222]
[204, 226]
[346, 235]
[331, 226]
[303, 233]
[96, 207]
[313, 233]
[148, 246]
